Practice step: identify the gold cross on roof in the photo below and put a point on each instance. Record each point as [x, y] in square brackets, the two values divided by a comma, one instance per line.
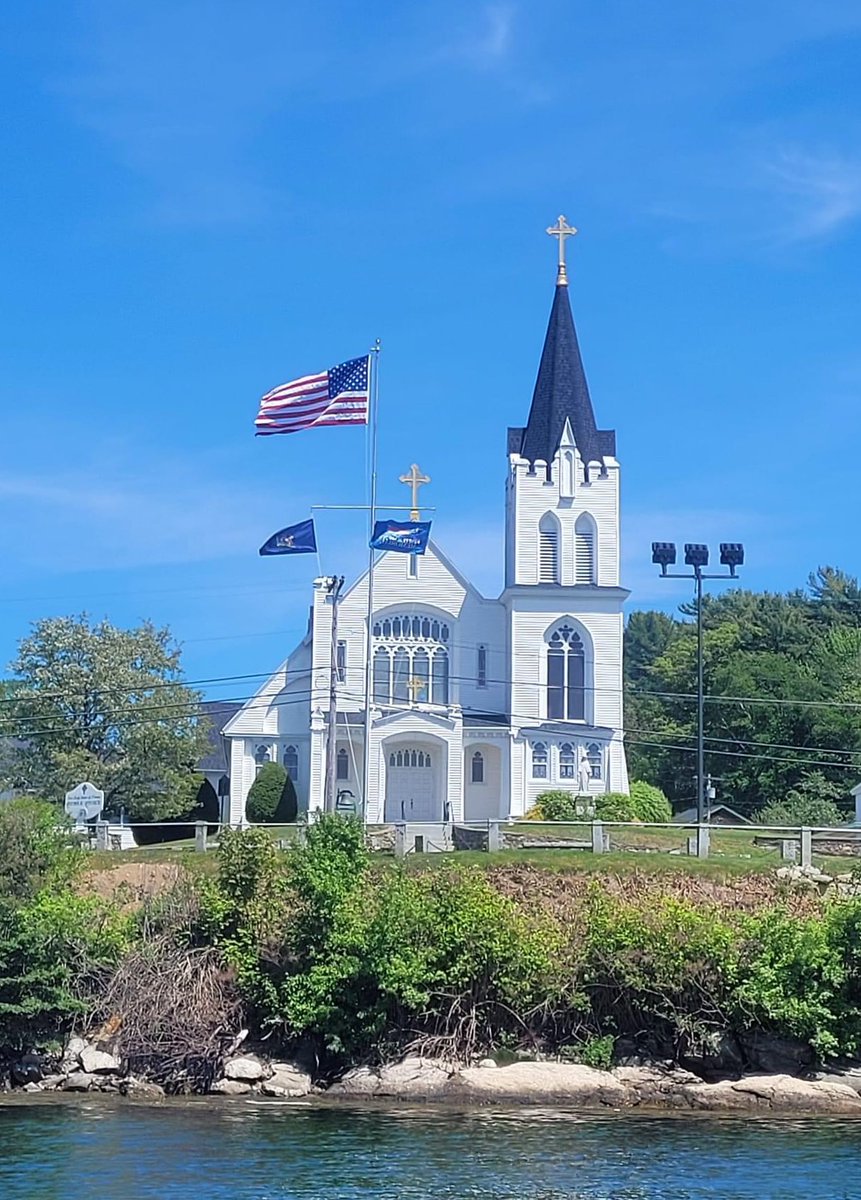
[562, 230]
[415, 479]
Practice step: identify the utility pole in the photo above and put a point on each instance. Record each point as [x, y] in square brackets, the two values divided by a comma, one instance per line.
[334, 590]
[697, 557]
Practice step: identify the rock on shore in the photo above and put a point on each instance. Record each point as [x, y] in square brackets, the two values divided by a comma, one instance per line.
[626, 1087]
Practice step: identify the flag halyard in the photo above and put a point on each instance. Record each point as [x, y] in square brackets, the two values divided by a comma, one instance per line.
[339, 396]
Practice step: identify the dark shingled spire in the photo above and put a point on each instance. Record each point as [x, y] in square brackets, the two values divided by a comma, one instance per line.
[561, 393]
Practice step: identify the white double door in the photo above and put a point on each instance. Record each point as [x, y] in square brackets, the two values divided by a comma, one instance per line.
[411, 793]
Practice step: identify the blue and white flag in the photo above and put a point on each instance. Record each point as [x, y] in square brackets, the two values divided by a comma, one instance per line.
[406, 537]
[295, 539]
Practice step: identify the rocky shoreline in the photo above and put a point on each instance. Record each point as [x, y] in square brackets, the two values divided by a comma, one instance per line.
[88, 1068]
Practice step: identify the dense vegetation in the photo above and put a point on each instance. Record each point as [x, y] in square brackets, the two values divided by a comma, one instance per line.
[333, 955]
[783, 688]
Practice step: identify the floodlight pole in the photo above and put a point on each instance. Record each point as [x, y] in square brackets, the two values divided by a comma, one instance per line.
[698, 575]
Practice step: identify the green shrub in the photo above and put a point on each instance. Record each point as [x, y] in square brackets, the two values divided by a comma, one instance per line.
[37, 1000]
[272, 797]
[615, 806]
[596, 1052]
[650, 803]
[36, 847]
[562, 806]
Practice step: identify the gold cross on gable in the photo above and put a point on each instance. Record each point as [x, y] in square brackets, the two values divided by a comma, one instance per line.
[416, 687]
[415, 480]
[562, 230]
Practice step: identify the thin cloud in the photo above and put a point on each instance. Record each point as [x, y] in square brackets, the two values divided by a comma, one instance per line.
[823, 192]
[488, 42]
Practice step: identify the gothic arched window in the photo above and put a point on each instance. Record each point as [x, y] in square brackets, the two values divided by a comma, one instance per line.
[290, 759]
[478, 767]
[584, 550]
[566, 675]
[593, 753]
[548, 549]
[411, 660]
[567, 762]
[342, 765]
[539, 761]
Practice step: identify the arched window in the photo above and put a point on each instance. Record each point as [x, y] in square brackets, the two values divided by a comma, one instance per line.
[566, 675]
[567, 763]
[412, 663]
[478, 767]
[548, 549]
[584, 550]
[290, 759]
[593, 753]
[262, 754]
[342, 765]
[539, 761]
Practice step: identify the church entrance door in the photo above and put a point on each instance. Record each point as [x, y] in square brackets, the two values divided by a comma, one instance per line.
[411, 785]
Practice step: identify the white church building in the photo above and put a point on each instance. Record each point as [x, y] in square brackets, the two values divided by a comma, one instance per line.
[477, 704]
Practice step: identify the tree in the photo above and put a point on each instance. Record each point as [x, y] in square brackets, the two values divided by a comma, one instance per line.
[783, 694]
[107, 705]
[272, 797]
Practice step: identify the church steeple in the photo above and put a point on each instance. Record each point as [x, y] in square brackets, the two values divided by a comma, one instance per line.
[561, 392]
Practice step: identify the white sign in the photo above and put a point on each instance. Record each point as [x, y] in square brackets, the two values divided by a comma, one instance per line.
[84, 802]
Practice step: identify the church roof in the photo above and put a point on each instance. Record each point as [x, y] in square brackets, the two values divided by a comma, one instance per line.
[561, 394]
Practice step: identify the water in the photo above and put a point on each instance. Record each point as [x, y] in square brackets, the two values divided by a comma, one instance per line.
[93, 1148]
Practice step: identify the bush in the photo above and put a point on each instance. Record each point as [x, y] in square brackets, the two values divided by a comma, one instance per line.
[272, 798]
[615, 806]
[812, 802]
[650, 803]
[36, 847]
[561, 806]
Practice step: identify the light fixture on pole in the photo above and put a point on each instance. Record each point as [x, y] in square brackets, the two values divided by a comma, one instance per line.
[697, 557]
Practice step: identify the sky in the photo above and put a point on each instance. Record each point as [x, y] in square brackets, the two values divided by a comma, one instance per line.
[202, 199]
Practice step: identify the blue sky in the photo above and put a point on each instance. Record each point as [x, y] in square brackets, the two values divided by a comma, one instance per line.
[202, 199]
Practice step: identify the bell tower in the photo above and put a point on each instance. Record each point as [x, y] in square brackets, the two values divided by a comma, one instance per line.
[562, 545]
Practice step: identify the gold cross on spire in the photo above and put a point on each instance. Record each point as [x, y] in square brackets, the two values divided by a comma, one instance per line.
[562, 230]
[415, 479]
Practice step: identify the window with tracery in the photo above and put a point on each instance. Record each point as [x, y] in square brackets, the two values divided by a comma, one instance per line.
[290, 759]
[567, 761]
[478, 767]
[595, 757]
[411, 660]
[410, 758]
[539, 761]
[342, 764]
[566, 675]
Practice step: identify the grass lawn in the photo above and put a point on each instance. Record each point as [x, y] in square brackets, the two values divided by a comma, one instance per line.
[732, 852]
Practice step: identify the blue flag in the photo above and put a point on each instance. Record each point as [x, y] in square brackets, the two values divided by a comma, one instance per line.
[406, 537]
[295, 539]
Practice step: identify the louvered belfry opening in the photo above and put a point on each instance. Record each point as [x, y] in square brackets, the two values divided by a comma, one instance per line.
[584, 550]
[548, 550]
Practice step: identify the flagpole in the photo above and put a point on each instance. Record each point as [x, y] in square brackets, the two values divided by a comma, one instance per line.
[372, 432]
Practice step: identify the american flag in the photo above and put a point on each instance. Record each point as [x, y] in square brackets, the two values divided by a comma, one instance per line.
[338, 396]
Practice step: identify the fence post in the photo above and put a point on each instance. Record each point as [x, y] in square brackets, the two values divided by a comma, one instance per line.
[102, 842]
[806, 847]
[494, 837]
[597, 837]
[200, 837]
[400, 840]
[702, 841]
